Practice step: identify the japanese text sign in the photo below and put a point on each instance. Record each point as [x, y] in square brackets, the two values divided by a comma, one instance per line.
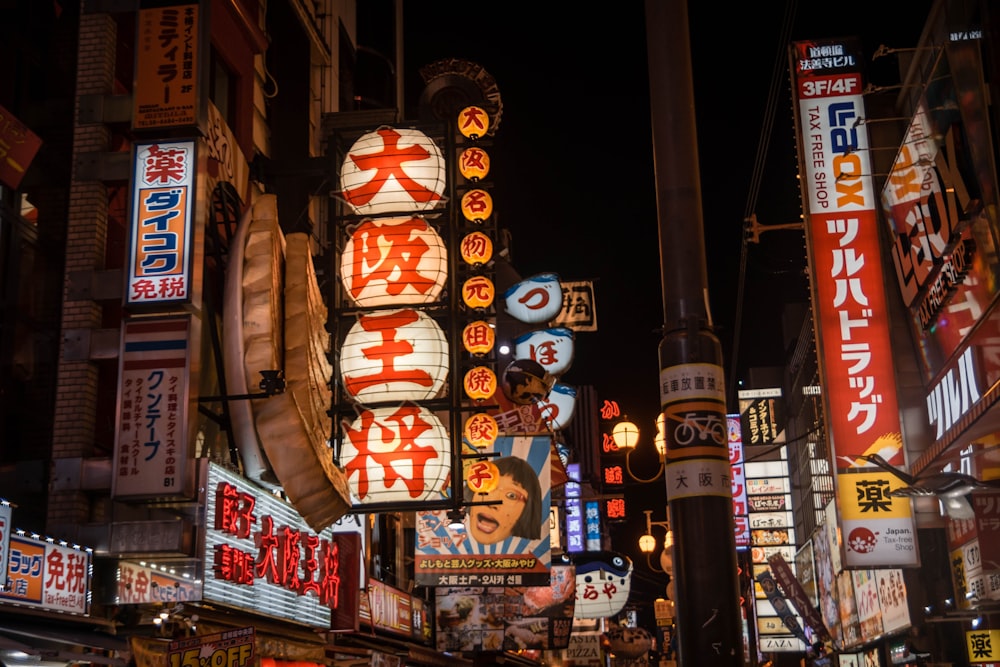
[151, 452]
[161, 237]
[166, 90]
[47, 576]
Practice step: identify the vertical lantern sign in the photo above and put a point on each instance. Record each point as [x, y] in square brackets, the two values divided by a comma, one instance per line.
[394, 359]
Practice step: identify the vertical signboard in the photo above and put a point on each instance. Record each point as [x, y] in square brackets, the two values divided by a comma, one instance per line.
[739, 479]
[166, 66]
[260, 555]
[842, 237]
[151, 450]
[161, 236]
[49, 576]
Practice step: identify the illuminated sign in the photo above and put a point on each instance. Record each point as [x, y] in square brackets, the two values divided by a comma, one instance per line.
[232, 648]
[843, 237]
[261, 556]
[143, 584]
[399, 261]
[152, 444]
[166, 69]
[394, 356]
[534, 300]
[46, 575]
[393, 170]
[396, 454]
[161, 237]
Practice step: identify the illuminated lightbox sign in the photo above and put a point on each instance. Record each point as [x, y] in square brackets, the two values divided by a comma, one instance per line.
[152, 429]
[142, 584]
[161, 236]
[45, 575]
[246, 532]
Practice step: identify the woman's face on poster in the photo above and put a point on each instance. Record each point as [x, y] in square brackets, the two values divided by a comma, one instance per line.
[489, 524]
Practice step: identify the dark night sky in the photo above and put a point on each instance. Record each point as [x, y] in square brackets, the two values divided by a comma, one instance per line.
[573, 164]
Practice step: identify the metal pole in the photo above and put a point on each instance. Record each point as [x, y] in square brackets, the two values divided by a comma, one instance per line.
[692, 387]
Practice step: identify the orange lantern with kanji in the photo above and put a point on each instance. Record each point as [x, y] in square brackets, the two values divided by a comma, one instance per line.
[482, 476]
[477, 205]
[480, 383]
[478, 292]
[478, 337]
[477, 248]
[474, 163]
[473, 122]
[481, 430]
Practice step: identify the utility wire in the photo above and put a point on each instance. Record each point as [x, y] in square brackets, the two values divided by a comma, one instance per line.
[778, 76]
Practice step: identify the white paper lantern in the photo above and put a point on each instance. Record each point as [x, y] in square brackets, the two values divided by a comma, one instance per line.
[552, 348]
[393, 169]
[558, 407]
[396, 454]
[394, 262]
[534, 300]
[394, 356]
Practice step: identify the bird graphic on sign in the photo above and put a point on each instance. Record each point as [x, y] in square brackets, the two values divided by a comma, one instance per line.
[951, 488]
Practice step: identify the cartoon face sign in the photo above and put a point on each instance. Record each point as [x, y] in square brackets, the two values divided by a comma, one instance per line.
[603, 582]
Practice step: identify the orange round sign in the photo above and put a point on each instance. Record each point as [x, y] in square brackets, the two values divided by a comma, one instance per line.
[482, 476]
[473, 122]
[474, 163]
[477, 248]
[480, 383]
[477, 205]
[478, 337]
[478, 292]
[481, 430]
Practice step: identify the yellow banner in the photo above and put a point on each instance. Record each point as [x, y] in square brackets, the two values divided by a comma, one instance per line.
[983, 645]
[865, 495]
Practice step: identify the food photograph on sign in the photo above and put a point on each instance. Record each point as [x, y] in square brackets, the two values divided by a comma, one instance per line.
[502, 528]
[507, 618]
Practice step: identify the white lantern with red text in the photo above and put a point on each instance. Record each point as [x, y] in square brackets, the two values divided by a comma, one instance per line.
[558, 407]
[552, 348]
[534, 300]
[396, 454]
[393, 170]
[394, 262]
[394, 356]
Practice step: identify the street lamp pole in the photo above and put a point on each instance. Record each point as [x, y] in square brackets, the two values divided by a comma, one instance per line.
[692, 385]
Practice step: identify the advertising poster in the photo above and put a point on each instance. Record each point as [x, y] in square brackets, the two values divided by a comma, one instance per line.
[232, 648]
[507, 618]
[867, 600]
[826, 584]
[504, 537]
[848, 610]
[892, 600]
[47, 576]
